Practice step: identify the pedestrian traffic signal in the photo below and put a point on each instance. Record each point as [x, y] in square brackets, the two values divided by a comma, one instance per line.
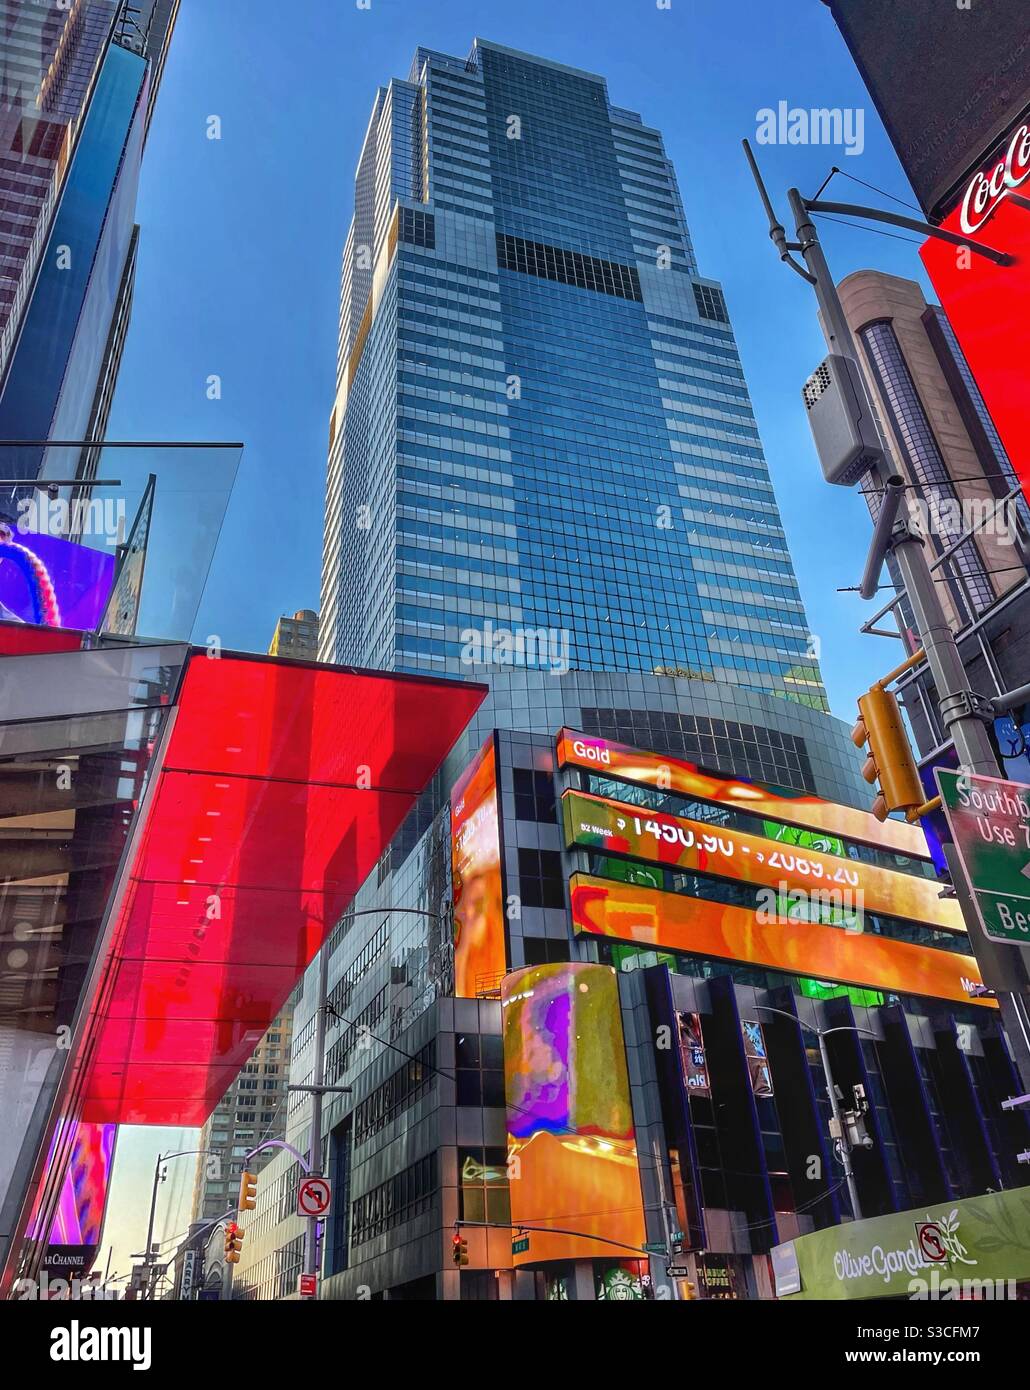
[890, 765]
[233, 1243]
[248, 1191]
[689, 1290]
[459, 1249]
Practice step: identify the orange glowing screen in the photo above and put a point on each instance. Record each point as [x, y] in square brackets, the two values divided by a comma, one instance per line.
[678, 843]
[572, 1157]
[646, 917]
[674, 774]
[479, 951]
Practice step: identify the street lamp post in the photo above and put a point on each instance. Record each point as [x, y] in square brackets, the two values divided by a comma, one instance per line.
[841, 1144]
[317, 1089]
[148, 1253]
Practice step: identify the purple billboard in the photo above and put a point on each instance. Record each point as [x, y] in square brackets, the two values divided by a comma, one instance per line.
[52, 582]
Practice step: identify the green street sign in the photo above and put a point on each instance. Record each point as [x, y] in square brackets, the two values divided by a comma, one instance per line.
[519, 1245]
[989, 819]
[655, 1247]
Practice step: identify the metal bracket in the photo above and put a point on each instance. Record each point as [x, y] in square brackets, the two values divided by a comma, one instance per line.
[968, 704]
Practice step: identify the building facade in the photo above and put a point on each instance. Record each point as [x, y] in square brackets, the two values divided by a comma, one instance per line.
[945, 445]
[79, 86]
[296, 636]
[251, 1110]
[542, 449]
[421, 1150]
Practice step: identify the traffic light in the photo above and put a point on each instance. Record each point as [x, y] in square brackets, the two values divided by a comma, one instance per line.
[459, 1249]
[233, 1242]
[890, 762]
[689, 1290]
[248, 1191]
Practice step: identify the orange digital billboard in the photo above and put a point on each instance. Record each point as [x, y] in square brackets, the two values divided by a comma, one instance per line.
[479, 947]
[572, 1155]
[603, 756]
[675, 922]
[851, 885]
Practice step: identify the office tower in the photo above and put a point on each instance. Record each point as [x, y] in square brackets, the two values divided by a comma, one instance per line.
[296, 636]
[252, 1109]
[542, 449]
[78, 89]
[945, 444]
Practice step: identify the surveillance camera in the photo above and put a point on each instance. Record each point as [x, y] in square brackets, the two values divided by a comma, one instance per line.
[52, 491]
[867, 1141]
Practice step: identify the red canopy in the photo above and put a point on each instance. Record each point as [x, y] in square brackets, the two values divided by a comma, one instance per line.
[278, 788]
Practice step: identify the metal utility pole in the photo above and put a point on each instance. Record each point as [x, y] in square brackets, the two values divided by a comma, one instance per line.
[147, 1249]
[840, 1120]
[148, 1258]
[318, 1082]
[659, 1167]
[843, 1147]
[962, 712]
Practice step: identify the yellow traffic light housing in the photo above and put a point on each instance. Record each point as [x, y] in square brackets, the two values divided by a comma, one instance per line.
[233, 1243]
[890, 765]
[459, 1249]
[248, 1191]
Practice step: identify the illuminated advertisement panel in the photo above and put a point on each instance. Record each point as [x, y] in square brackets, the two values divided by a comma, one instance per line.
[671, 921]
[80, 1215]
[988, 305]
[677, 843]
[78, 1222]
[757, 1057]
[602, 756]
[692, 1054]
[572, 1149]
[52, 582]
[479, 950]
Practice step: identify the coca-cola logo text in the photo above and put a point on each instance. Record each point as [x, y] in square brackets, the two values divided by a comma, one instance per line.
[988, 187]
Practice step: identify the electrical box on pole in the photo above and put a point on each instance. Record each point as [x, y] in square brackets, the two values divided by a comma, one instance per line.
[842, 425]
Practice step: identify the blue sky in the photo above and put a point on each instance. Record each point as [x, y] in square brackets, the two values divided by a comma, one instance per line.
[240, 256]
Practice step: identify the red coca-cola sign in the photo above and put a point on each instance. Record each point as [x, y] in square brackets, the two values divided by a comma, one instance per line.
[989, 186]
[989, 305]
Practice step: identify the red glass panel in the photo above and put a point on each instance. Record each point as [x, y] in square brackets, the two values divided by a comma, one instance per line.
[281, 786]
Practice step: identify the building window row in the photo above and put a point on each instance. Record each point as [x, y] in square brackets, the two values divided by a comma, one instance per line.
[394, 1202]
[408, 1084]
[568, 267]
[418, 228]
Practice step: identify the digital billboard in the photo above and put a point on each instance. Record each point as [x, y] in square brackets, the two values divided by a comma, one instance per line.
[602, 756]
[75, 1231]
[988, 305]
[478, 890]
[671, 921]
[52, 582]
[692, 1054]
[677, 843]
[572, 1147]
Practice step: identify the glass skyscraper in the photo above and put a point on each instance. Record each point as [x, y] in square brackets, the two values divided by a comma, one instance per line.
[542, 449]
[78, 84]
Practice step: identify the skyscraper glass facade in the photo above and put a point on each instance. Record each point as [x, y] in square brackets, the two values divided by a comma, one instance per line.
[542, 450]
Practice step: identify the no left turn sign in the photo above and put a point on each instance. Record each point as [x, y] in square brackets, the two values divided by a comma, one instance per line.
[313, 1197]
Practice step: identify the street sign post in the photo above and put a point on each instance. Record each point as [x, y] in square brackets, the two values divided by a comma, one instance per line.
[313, 1197]
[989, 820]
